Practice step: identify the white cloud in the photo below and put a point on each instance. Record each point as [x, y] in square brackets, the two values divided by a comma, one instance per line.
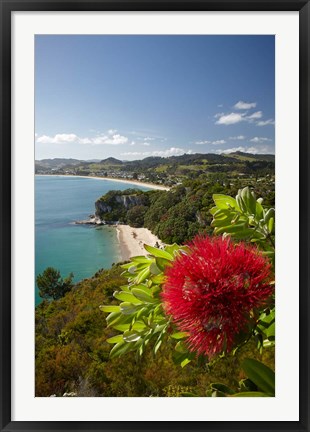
[112, 131]
[245, 105]
[233, 118]
[265, 122]
[256, 115]
[149, 138]
[218, 142]
[115, 139]
[173, 151]
[239, 137]
[230, 119]
[218, 115]
[259, 139]
[58, 139]
[253, 150]
[202, 142]
[146, 144]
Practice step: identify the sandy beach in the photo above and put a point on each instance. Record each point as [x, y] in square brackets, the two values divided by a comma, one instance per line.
[130, 182]
[131, 240]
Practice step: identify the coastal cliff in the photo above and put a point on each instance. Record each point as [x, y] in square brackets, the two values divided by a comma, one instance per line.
[115, 205]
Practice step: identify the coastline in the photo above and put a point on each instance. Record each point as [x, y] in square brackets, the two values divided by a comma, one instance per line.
[131, 241]
[132, 182]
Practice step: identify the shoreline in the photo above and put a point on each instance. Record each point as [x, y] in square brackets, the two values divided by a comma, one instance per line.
[131, 241]
[133, 182]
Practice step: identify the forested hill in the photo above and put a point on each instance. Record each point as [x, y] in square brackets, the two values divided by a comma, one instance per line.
[179, 214]
[169, 171]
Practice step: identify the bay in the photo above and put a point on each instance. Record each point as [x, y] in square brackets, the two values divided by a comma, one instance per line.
[59, 243]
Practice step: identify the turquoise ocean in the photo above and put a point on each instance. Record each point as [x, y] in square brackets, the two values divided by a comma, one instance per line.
[80, 249]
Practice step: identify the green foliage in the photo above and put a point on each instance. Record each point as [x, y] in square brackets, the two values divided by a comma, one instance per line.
[177, 215]
[52, 285]
[135, 215]
[245, 218]
[140, 317]
[260, 382]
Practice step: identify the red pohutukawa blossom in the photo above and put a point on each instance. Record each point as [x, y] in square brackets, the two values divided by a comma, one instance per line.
[211, 290]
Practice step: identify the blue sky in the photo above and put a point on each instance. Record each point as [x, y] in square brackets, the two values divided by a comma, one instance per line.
[131, 97]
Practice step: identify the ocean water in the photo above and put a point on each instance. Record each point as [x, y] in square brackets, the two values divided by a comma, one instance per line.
[81, 249]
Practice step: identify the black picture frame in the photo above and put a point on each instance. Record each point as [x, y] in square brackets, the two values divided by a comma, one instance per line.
[9, 6]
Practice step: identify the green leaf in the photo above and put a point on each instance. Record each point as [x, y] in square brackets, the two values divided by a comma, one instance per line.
[240, 202]
[260, 374]
[222, 388]
[162, 263]
[224, 201]
[173, 249]
[154, 269]
[245, 234]
[113, 318]
[128, 308]
[270, 225]
[142, 275]
[185, 362]
[157, 345]
[259, 211]
[143, 296]
[249, 200]
[131, 336]
[126, 297]
[231, 229]
[137, 325]
[270, 331]
[158, 253]
[247, 385]
[115, 339]
[179, 335]
[120, 349]
[105, 308]
[251, 394]
[143, 288]
[223, 214]
[269, 214]
[141, 259]
[158, 279]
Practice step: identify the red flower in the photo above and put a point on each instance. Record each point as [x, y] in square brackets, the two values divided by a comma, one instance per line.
[211, 291]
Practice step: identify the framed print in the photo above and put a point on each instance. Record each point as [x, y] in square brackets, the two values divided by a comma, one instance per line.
[147, 152]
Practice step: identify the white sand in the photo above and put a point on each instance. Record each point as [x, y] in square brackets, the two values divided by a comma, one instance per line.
[132, 182]
[132, 240]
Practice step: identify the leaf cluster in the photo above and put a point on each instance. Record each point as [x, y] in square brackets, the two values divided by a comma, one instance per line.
[245, 218]
[140, 316]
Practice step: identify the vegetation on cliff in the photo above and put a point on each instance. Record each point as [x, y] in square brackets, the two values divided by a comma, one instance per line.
[177, 215]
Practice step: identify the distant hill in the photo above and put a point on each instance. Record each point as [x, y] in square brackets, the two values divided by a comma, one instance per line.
[251, 157]
[111, 161]
[156, 160]
[57, 162]
[160, 169]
